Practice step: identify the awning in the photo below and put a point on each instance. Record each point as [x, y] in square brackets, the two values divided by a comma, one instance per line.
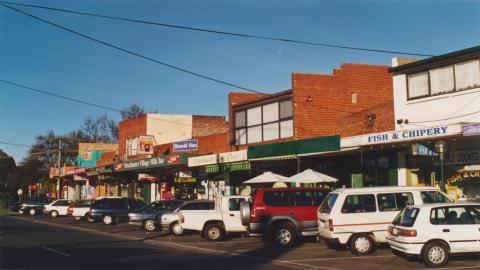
[229, 167]
[150, 163]
[292, 149]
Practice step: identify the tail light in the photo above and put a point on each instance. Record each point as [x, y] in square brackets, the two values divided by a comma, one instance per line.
[330, 225]
[182, 219]
[407, 233]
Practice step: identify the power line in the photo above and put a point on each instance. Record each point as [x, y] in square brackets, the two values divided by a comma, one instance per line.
[59, 96]
[15, 144]
[131, 52]
[212, 31]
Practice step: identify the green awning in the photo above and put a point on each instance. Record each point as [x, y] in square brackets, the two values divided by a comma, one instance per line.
[294, 148]
[229, 167]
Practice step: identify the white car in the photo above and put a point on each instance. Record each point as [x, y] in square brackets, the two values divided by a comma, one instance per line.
[80, 210]
[359, 217]
[434, 231]
[57, 208]
[214, 224]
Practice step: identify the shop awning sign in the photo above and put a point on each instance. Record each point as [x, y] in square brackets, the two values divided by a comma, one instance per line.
[471, 129]
[187, 145]
[155, 162]
[459, 157]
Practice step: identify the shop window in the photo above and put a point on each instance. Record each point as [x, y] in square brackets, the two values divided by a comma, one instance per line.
[254, 116]
[286, 129]
[254, 134]
[359, 204]
[286, 109]
[441, 80]
[270, 131]
[241, 136]
[240, 120]
[467, 75]
[270, 112]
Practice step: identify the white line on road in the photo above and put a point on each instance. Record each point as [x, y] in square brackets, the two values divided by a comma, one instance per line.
[341, 258]
[55, 251]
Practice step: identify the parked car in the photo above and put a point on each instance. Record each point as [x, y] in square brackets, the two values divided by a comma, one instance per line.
[80, 209]
[113, 210]
[147, 216]
[359, 217]
[57, 208]
[32, 206]
[433, 232]
[283, 214]
[214, 224]
[168, 221]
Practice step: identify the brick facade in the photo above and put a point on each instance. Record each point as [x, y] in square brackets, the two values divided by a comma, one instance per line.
[208, 125]
[322, 104]
[107, 159]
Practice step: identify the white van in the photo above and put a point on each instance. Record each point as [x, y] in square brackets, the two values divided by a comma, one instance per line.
[359, 217]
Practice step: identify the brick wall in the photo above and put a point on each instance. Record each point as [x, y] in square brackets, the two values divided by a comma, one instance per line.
[106, 159]
[208, 125]
[128, 129]
[216, 143]
[323, 103]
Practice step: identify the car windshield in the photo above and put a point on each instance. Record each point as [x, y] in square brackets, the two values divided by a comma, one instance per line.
[434, 197]
[407, 217]
[328, 203]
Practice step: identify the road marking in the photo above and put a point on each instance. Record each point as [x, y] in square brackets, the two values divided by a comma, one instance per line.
[55, 251]
[458, 267]
[341, 258]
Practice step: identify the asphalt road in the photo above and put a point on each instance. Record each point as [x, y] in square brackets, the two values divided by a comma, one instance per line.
[42, 242]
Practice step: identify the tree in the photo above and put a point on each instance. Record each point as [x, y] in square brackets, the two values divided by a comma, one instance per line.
[7, 165]
[132, 111]
[100, 129]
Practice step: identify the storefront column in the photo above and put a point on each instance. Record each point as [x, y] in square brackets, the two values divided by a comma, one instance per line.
[402, 169]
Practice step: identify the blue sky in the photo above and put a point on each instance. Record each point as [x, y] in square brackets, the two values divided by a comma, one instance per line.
[38, 55]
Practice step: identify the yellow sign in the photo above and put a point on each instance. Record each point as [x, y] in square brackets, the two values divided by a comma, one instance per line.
[461, 176]
[185, 180]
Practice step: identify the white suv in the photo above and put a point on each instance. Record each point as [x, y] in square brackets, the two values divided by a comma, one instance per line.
[434, 231]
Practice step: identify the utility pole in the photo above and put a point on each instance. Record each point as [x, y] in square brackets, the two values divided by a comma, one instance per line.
[58, 166]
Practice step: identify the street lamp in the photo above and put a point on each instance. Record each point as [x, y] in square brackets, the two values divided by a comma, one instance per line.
[441, 147]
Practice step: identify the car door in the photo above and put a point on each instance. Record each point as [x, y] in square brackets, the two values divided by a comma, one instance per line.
[455, 225]
[62, 207]
[474, 211]
[232, 218]
[306, 206]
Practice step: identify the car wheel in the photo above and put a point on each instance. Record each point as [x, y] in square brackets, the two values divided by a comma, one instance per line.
[285, 235]
[214, 232]
[21, 212]
[90, 218]
[149, 225]
[176, 229]
[361, 244]
[435, 254]
[54, 214]
[107, 220]
[32, 212]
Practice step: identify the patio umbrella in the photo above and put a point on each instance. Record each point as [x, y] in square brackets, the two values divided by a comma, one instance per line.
[311, 176]
[267, 177]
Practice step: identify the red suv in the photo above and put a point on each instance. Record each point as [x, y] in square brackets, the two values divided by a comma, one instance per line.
[283, 214]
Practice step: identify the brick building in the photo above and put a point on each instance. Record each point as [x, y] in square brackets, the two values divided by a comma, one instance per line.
[355, 99]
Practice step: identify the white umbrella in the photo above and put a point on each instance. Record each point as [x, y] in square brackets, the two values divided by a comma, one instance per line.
[267, 177]
[311, 176]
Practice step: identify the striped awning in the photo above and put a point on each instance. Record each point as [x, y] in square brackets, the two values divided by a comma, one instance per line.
[229, 167]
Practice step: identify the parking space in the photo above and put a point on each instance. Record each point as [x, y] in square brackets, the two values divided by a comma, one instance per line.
[307, 254]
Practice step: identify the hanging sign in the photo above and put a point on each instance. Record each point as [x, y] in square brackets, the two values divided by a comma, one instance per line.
[459, 157]
[471, 129]
[187, 145]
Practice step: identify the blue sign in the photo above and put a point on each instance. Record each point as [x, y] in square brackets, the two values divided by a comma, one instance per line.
[471, 129]
[422, 150]
[187, 145]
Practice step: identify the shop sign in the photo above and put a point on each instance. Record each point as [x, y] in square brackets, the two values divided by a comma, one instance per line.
[459, 157]
[185, 180]
[459, 177]
[187, 145]
[233, 156]
[422, 150]
[141, 145]
[184, 174]
[202, 160]
[147, 177]
[151, 162]
[53, 172]
[74, 171]
[471, 129]
[399, 136]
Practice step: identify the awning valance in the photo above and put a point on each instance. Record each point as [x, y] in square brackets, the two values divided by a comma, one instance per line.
[229, 167]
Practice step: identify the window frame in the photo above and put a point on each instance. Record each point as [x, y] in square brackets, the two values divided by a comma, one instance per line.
[397, 208]
[428, 71]
[350, 195]
[262, 123]
[465, 207]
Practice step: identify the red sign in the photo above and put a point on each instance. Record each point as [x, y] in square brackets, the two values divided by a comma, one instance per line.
[173, 159]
